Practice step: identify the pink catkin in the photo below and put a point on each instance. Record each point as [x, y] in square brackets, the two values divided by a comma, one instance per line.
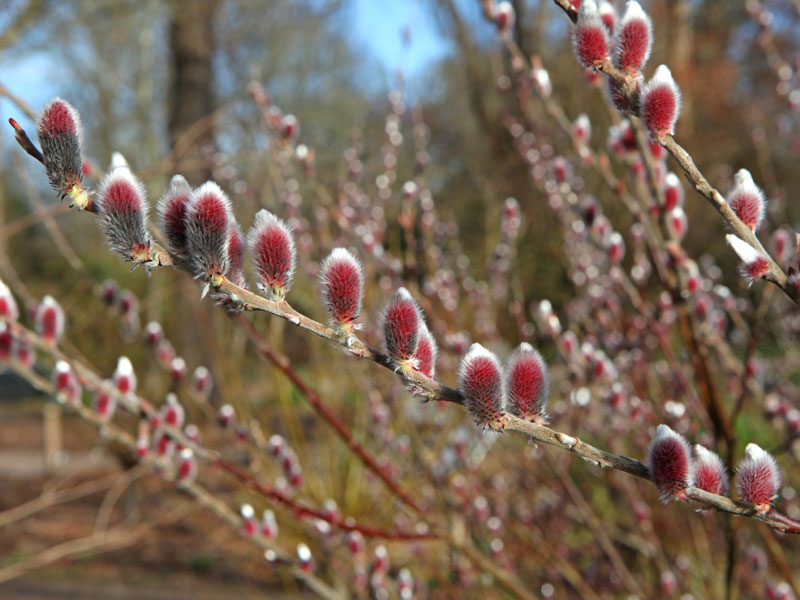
[754, 270]
[747, 200]
[401, 321]
[273, 251]
[124, 378]
[172, 208]
[65, 382]
[8, 305]
[609, 16]
[426, 353]
[104, 404]
[236, 255]
[677, 223]
[123, 215]
[590, 39]
[758, 479]
[527, 383]
[59, 130]
[207, 221]
[172, 412]
[6, 341]
[709, 472]
[634, 39]
[670, 463]
[504, 17]
[661, 103]
[754, 263]
[780, 245]
[49, 320]
[480, 379]
[342, 285]
[187, 466]
[673, 192]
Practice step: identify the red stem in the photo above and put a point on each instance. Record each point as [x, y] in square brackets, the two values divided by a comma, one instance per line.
[325, 412]
[302, 511]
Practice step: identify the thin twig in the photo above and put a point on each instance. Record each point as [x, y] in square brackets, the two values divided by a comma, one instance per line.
[701, 185]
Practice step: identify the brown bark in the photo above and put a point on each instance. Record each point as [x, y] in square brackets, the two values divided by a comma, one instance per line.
[191, 99]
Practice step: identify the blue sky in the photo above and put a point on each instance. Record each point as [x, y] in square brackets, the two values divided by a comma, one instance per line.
[379, 26]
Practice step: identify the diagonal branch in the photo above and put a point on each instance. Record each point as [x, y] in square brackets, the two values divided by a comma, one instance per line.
[701, 185]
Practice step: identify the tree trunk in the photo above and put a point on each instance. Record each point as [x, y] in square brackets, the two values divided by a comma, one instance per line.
[191, 101]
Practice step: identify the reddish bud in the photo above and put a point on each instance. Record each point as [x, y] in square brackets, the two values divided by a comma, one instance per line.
[104, 404]
[129, 310]
[250, 526]
[23, 353]
[272, 248]
[269, 526]
[480, 379]
[541, 81]
[670, 463]
[754, 263]
[615, 246]
[709, 472]
[780, 246]
[381, 562]
[355, 542]
[568, 343]
[673, 192]
[634, 39]
[305, 558]
[122, 209]
[66, 382]
[201, 381]
[208, 219]
[164, 445]
[6, 341]
[124, 378]
[236, 255]
[172, 208]
[504, 17]
[153, 333]
[177, 367]
[50, 320]
[427, 352]
[165, 353]
[109, 292]
[187, 466]
[59, 129]
[342, 281]
[289, 126]
[661, 103]
[192, 432]
[226, 415]
[758, 478]
[143, 440]
[277, 445]
[8, 306]
[561, 169]
[527, 384]
[295, 476]
[608, 14]
[747, 200]
[590, 38]
[401, 321]
[172, 412]
[677, 223]
[669, 583]
[582, 128]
